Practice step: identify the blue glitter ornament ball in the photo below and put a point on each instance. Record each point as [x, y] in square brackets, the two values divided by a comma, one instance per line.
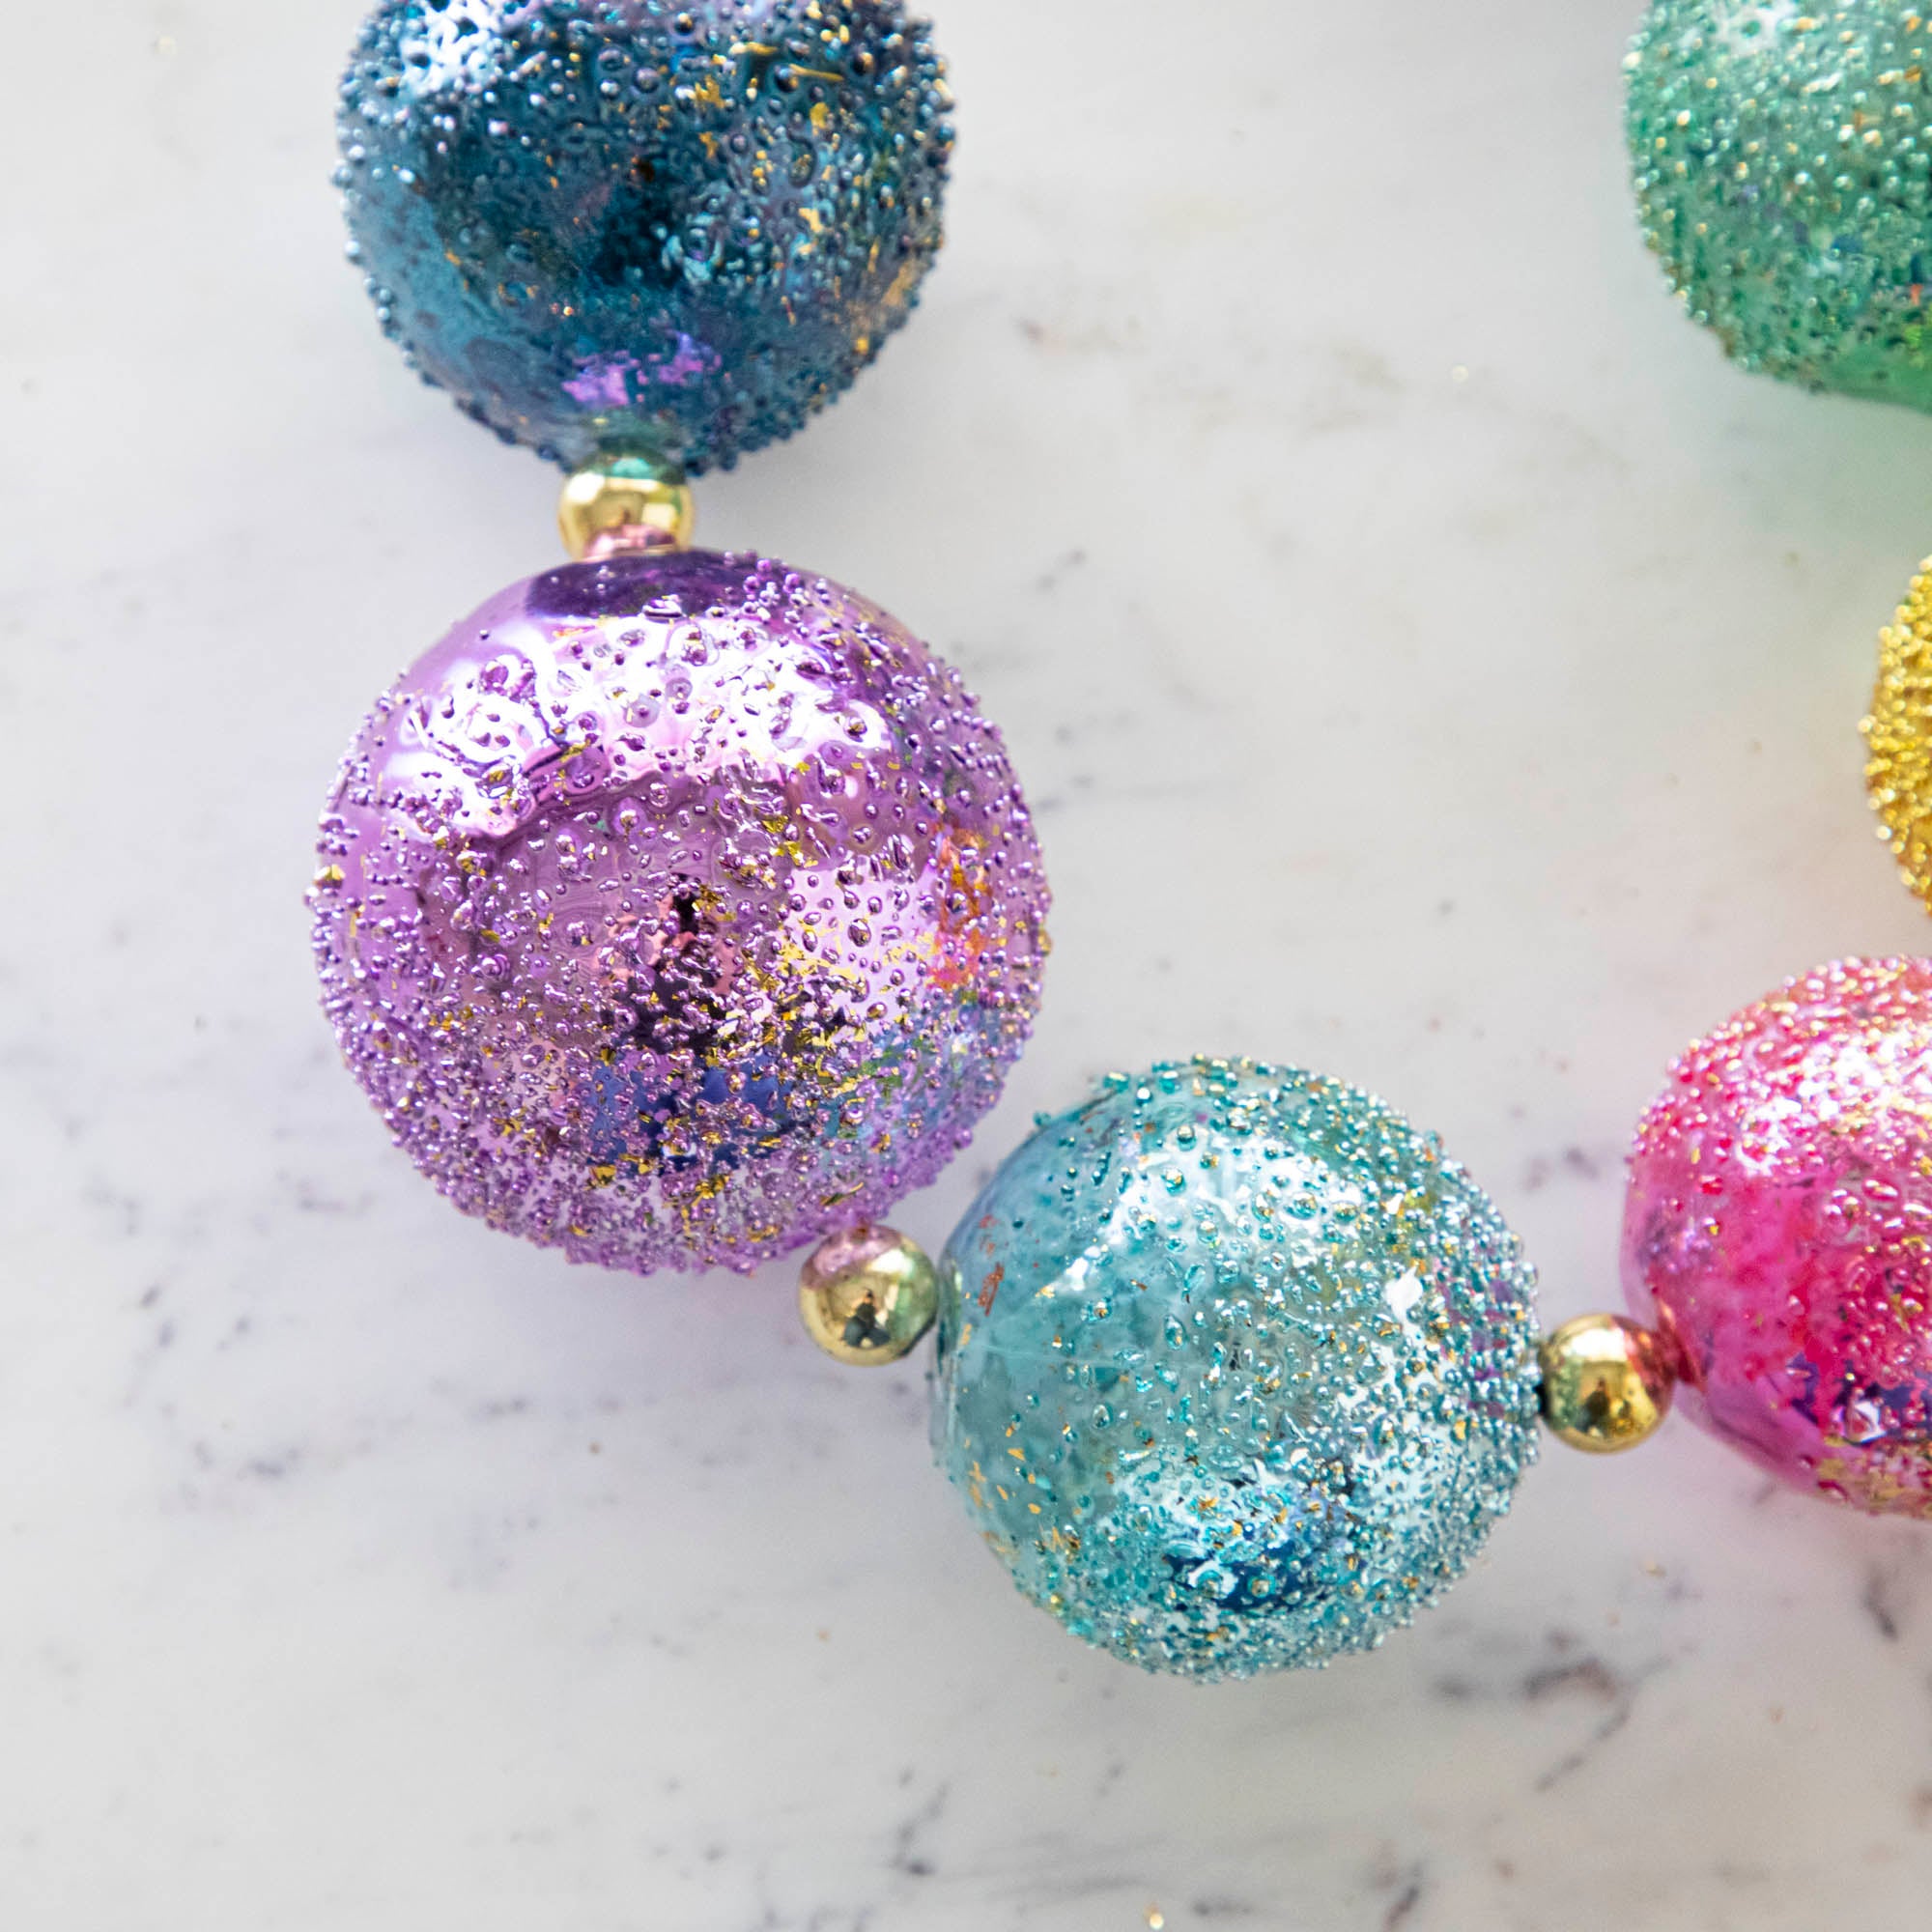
[638, 228]
[1235, 1371]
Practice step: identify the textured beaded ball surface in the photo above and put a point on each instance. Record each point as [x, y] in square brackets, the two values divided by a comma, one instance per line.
[1783, 172]
[1234, 1370]
[1779, 1232]
[677, 909]
[642, 228]
[1898, 735]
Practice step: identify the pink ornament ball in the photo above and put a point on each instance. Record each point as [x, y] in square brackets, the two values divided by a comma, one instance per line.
[1777, 1232]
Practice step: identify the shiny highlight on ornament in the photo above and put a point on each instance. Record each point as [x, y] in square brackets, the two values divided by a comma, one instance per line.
[1607, 1385]
[1777, 1232]
[1898, 735]
[638, 229]
[867, 1295]
[1234, 1370]
[1782, 164]
[678, 910]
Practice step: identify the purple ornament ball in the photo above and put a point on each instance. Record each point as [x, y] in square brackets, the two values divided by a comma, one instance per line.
[678, 909]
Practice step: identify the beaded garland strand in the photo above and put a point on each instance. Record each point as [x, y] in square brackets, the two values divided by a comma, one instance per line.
[1773, 1254]
[1236, 1371]
[681, 910]
[677, 908]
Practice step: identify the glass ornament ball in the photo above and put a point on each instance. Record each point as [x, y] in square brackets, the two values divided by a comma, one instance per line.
[1776, 1232]
[642, 230]
[677, 910]
[1234, 1370]
[1898, 735]
[1783, 166]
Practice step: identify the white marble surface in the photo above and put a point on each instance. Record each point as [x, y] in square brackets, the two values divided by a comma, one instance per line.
[1430, 661]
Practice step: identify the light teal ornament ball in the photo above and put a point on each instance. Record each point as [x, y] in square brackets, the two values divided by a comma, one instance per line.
[1783, 162]
[1235, 1371]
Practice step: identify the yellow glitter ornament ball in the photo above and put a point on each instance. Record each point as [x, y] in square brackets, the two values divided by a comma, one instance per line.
[1898, 735]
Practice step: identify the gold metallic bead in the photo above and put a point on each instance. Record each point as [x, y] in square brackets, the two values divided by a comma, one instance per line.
[625, 505]
[1898, 735]
[867, 1295]
[1605, 1383]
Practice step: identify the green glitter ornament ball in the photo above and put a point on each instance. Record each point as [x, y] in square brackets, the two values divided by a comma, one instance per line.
[1235, 1371]
[1783, 172]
